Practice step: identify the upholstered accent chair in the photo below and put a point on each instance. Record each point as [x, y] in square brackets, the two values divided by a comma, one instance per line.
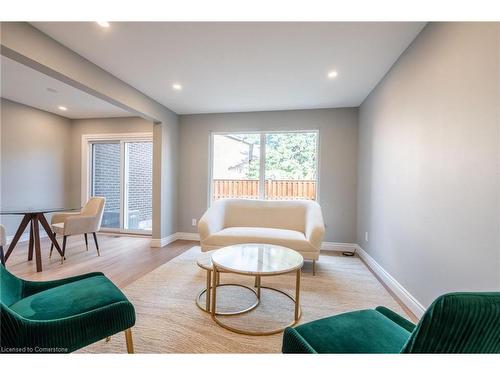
[3, 242]
[297, 225]
[454, 323]
[88, 220]
[61, 316]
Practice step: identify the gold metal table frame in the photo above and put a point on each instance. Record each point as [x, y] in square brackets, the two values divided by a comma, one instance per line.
[207, 308]
[208, 267]
[213, 299]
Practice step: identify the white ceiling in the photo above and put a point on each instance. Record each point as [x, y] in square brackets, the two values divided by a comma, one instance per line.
[233, 67]
[25, 85]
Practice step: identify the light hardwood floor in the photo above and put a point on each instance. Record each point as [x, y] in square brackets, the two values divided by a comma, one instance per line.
[123, 259]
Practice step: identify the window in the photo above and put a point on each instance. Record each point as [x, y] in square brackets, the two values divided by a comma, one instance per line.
[120, 168]
[269, 165]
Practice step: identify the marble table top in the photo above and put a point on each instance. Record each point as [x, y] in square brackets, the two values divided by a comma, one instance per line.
[257, 259]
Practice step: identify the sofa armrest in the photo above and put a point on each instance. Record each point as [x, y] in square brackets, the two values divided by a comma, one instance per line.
[212, 220]
[315, 228]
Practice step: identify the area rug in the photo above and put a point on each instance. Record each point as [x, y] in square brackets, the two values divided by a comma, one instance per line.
[168, 320]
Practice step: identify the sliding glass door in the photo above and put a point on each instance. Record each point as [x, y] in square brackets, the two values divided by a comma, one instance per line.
[121, 170]
[106, 180]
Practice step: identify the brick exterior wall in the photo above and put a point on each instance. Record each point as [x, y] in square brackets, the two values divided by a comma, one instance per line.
[140, 173]
[106, 182]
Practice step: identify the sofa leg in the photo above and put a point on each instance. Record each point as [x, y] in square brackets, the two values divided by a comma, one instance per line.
[130, 342]
[314, 268]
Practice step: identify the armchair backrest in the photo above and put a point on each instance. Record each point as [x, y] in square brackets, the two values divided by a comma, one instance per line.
[11, 287]
[95, 207]
[459, 323]
[261, 213]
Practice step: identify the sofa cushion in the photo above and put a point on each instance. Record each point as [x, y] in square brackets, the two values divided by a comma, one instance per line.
[236, 235]
[364, 331]
[69, 299]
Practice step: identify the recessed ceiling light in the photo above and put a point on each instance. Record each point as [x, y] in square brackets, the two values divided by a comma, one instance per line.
[332, 74]
[62, 108]
[177, 86]
[104, 24]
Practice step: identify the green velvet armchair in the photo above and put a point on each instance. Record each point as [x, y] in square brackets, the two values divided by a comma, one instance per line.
[61, 316]
[454, 323]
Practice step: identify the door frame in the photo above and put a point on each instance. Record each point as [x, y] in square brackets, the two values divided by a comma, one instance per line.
[86, 169]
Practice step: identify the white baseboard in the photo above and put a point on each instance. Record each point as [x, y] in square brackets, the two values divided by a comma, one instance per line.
[328, 246]
[156, 242]
[26, 236]
[160, 242]
[188, 236]
[338, 246]
[411, 302]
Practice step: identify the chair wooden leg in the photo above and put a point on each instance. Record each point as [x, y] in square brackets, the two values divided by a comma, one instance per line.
[314, 267]
[96, 244]
[64, 249]
[52, 245]
[130, 342]
[86, 241]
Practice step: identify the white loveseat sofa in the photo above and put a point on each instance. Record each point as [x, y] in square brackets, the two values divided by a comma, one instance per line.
[297, 225]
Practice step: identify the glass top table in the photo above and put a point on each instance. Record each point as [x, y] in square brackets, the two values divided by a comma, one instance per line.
[34, 210]
[35, 216]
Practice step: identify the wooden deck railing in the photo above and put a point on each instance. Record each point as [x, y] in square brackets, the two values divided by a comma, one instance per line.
[274, 189]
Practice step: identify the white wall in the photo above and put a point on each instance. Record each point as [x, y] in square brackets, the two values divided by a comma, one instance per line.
[338, 161]
[429, 168]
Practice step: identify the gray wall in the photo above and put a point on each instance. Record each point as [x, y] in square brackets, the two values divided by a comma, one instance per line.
[27, 45]
[34, 160]
[41, 156]
[429, 163]
[338, 160]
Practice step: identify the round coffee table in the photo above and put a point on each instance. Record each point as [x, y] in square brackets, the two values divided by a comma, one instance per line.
[257, 260]
[204, 261]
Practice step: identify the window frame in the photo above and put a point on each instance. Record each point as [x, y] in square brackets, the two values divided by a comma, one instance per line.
[262, 160]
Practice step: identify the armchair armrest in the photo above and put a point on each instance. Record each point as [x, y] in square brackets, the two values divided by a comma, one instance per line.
[79, 224]
[59, 217]
[66, 334]
[315, 227]
[212, 220]
[32, 287]
[396, 318]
